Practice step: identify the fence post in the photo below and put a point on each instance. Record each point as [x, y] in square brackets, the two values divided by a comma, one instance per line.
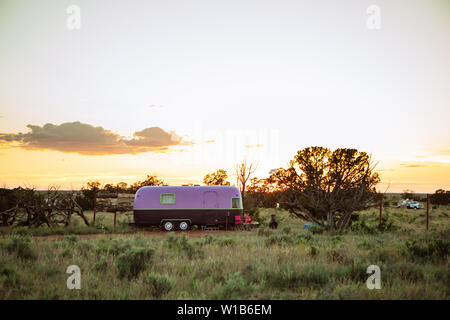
[115, 213]
[381, 207]
[95, 204]
[428, 209]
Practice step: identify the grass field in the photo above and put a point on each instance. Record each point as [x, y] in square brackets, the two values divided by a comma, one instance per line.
[288, 263]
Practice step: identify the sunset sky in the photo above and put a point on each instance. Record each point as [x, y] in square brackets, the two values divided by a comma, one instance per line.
[178, 89]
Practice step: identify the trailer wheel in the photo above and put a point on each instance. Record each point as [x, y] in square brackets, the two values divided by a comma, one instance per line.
[184, 225]
[168, 226]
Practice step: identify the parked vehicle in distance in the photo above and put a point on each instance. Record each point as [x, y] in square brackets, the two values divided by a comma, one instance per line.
[410, 204]
[181, 207]
[413, 205]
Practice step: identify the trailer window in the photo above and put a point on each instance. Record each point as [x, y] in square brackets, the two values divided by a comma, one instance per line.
[167, 198]
[236, 203]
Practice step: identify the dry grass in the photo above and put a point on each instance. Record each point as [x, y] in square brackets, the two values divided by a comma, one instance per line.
[289, 263]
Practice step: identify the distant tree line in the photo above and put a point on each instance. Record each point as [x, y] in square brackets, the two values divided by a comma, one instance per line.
[86, 198]
[321, 185]
[440, 197]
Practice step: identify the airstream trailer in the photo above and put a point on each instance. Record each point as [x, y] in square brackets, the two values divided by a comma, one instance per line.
[180, 207]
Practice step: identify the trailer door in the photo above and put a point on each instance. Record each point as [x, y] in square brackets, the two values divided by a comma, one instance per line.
[210, 199]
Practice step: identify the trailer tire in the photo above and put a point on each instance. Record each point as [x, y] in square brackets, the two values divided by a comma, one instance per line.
[184, 226]
[168, 226]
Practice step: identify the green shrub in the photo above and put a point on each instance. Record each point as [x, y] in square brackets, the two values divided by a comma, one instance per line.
[303, 237]
[227, 242]
[317, 229]
[85, 247]
[71, 238]
[286, 230]
[280, 240]
[339, 257]
[406, 271]
[360, 226]
[101, 265]
[119, 246]
[160, 284]
[208, 239]
[315, 276]
[434, 248]
[286, 278]
[9, 276]
[133, 261]
[313, 251]
[21, 247]
[357, 271]
[235, 287]
[386, 225]
[264, 232]
[182, 244]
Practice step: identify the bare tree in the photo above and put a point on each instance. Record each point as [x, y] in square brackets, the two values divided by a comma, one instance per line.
[243, 171]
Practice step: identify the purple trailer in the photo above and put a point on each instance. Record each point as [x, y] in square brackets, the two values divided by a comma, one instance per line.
[181, 207]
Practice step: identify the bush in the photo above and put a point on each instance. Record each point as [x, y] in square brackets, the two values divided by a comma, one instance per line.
[339, 257]
[361, 227]
[357, 272]
[208, 239]
[21, 247]
[313, 251]
[303, 237]
[264, 232]
[183, 244]
[435, 249]
[101, 264]
[406, 271]
[280, 240]
[234, 288]
[227, 242]
[386, 225]
[160, 284]
[133, 261]
[317, 229]
[9, 276]
[119, 246]
[71, 238]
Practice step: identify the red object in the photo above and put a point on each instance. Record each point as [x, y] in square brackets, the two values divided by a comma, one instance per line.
[237, 220]
[248, 219]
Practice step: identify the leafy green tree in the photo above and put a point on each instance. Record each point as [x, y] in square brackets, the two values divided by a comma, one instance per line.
[218, 178]
[149, 181]
[86, 199]
[327, 186]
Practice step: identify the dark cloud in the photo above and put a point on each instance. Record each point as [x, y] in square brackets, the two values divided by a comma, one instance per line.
[86, 139]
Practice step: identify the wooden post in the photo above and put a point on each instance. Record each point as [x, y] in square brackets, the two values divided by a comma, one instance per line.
[428, 209]
[381, 207]
[115, 213]
[95, 203]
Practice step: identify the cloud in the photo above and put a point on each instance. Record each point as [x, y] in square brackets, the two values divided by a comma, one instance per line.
[412, 165]
[89, 140]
